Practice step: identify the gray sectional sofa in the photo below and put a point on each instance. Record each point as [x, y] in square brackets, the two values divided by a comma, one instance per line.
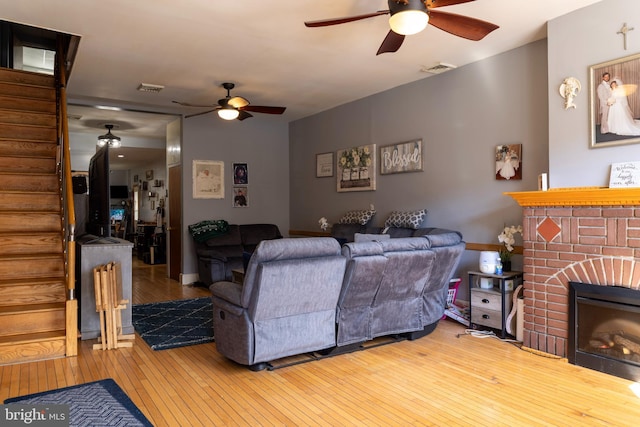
[312, 295]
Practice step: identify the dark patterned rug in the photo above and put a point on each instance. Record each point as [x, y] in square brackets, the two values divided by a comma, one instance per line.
[99, 403]
[172, 324]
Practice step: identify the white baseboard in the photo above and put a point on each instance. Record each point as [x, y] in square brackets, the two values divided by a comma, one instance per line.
[187, 279]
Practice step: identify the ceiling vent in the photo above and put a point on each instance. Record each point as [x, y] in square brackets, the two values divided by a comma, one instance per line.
[146, 87]
[441, 67]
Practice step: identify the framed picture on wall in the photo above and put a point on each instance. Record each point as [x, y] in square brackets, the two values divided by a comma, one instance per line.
[356, 169]
[615, 102]
[149, 175]
[508, 162]
[240, 173]
[324, 165]
[401, 157]
[208, 179]
[240, 197]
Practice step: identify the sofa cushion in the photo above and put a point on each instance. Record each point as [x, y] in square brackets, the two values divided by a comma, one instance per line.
[361, 217]
[410, 219]
[231, 237]
[252, 234]
[361, 237]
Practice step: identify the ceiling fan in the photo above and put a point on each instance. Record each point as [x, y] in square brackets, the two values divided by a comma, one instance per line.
[412, 16]
[235, 107]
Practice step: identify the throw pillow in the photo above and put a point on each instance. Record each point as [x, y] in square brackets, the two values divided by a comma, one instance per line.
[361, 217]
[411, 219]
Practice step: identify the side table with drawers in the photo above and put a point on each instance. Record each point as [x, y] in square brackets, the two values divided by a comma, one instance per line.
[491, 299]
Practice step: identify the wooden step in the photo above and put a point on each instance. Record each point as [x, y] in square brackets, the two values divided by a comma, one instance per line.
[32, 267]
[29, 202]
[28, 118]
[11, 222]
[26, 77]
[28, 91]
[32, 291]
[41, 183]
[28, 132]
[32, 347]
[38, 165]
[31, 319]
[30, 243]
[11, 147]
[17, 103]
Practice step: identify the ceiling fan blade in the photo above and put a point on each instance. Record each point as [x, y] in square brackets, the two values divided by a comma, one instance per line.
[244, 115]
[461, 26]
[336, 21]
[237, 102]
[263, 109]
[391, 43]
[199, 114]
[186, 104]
[442, 3]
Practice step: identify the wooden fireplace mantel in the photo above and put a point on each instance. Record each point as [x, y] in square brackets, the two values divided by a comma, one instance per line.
[578, 196]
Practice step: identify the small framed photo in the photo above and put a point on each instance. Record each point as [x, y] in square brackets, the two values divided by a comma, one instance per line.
[149, 175]
[324, 165]
[240, 174]
[240, 197]
[508, 164]
[135, 178]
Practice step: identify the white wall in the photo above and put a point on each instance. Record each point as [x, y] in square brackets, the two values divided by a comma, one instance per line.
[576, 42]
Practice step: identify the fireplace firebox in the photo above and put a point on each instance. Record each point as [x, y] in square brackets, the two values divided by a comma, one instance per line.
[604, 329]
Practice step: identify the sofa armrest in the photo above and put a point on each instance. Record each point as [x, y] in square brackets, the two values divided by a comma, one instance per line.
[227, 291]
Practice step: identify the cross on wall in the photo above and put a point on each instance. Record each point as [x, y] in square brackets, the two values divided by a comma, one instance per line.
[624, 30]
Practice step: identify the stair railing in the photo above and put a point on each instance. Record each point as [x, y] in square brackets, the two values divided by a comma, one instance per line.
[68, 206]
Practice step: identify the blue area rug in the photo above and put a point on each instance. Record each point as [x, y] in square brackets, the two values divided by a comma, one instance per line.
[99, 403]
[172, 324]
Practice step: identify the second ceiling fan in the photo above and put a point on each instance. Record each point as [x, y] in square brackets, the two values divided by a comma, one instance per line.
[236, 107]
[412, 16]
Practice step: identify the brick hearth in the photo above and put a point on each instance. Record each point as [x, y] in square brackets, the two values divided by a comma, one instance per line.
[589, 235]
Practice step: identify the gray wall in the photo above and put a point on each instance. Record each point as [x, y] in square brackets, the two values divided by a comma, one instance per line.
[576, 42]
[461, 116]
[262, 143]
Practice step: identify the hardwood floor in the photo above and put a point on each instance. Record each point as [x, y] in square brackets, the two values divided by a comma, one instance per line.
[446, 378]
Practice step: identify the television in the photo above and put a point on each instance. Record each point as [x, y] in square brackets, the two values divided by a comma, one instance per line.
[119, 191]
[116, 214]
[99, 217]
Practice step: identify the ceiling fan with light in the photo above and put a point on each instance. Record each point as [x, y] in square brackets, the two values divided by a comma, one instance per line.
[236, 107]
[412, 16]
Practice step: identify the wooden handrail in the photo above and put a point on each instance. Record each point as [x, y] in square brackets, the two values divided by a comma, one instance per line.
[71, 305]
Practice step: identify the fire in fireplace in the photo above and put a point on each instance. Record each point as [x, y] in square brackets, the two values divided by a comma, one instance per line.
[604, 329]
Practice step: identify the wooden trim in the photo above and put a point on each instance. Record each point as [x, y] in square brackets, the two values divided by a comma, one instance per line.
[578, 196]
[470, 246]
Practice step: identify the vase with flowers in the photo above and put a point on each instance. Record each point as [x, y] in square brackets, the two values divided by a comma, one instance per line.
[507, 238]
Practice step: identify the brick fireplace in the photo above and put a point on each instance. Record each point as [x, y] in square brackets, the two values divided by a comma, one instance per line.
[589, 235]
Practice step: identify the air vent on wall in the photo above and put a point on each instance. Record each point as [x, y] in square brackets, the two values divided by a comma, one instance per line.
[441, 67]
[147, 87]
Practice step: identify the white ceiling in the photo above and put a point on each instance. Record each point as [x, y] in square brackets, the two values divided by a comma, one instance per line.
[263, 47]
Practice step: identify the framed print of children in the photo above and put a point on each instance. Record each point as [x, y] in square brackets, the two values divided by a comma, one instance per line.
[240, 173]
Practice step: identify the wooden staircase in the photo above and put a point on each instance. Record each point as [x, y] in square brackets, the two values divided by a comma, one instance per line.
[33, 288]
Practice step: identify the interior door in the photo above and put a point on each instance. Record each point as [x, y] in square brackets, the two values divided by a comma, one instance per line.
[175, 222]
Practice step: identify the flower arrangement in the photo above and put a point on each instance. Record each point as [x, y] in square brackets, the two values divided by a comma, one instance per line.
[324, 224]
[354, 157]
[507, 237]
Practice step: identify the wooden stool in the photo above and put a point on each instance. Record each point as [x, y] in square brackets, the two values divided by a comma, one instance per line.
[107, 280]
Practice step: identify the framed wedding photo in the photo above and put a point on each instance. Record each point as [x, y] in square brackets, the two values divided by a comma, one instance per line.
[614, 102]
[324, 165]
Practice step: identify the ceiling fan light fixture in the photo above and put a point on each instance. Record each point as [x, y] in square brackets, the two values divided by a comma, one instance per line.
[408, 17]
[409, 22]
[109, 138]
[228, 113]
